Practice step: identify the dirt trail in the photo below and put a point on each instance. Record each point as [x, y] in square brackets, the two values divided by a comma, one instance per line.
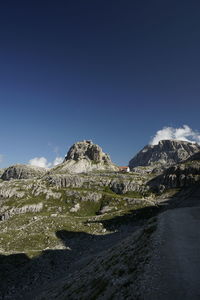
[174, 269]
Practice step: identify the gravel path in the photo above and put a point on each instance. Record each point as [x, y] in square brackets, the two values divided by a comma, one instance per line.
[174, 269]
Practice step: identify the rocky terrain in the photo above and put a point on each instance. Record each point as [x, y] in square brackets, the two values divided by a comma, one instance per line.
[84, 230]
[85, 157]
[151, 263]
[22, 172]
[165, 153]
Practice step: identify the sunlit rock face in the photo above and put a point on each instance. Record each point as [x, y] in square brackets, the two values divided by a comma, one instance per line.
[165, 153]
[87, 150]
[85, 157]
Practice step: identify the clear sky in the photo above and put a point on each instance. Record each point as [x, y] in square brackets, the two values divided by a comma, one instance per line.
[111, 71]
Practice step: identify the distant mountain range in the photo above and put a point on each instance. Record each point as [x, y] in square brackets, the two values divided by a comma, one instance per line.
[84, 157]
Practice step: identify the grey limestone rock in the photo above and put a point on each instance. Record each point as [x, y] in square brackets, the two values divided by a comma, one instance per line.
[87, 150]
[21, 171]
[85, 157]
[8, 191]
[118, 184]
[165, 153]
[84, 195]
[75, 208]
[63, 181]
[21, 210]
[178, 176]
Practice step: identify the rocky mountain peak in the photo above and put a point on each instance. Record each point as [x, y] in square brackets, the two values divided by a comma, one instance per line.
[84, 157]
[174, 144]
[87, 150]
[166, 153]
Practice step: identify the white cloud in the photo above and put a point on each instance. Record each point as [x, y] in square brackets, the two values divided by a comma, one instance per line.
[39, 162]
[184, 133]
[43, 162]
[58, 160]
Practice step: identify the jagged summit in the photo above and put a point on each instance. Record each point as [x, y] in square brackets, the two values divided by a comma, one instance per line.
[166, 153]
[85, 156]
[87, 150]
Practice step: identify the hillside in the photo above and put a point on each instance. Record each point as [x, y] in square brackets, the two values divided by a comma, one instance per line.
[89, 233]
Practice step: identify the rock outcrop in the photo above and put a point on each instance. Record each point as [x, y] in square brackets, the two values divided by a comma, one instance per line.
[194, 157]
[22, 172]
[87, 150]
[85, 157]
[119, 184]
[178, 176]
[20, 210]
[165, 153]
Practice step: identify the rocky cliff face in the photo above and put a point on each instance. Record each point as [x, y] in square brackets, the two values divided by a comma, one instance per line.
[85, 157]
[166, 153]
[118, 183]
[195, 157]
[22, 172]
[87, 150]
[177, 176]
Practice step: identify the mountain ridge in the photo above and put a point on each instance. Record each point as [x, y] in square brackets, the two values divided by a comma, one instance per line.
[165, 153]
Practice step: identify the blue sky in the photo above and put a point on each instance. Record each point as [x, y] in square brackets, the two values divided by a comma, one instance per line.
[115, 72]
